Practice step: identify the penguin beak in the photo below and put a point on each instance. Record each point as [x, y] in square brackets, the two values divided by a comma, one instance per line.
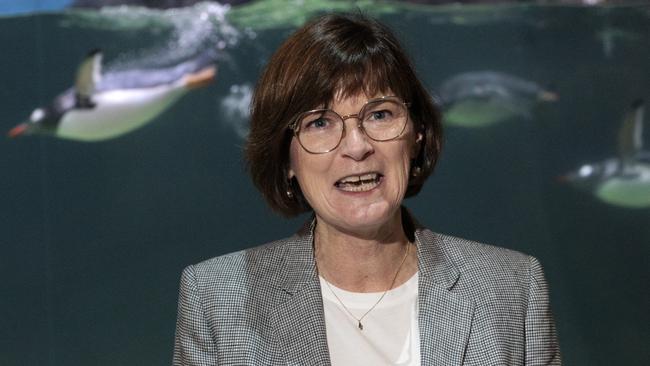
[568, 178]
[548, 96]
[21, 129]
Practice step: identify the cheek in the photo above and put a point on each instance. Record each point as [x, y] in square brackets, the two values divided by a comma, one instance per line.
[310, 170]
[293, 158]
[399, 171]
[405, 169]
[302, 165]
[408, 152]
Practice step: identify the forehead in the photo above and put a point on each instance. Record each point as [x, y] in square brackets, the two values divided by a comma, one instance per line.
[342, 99]
[362, 80]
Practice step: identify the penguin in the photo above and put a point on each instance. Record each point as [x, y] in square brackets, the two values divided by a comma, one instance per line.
[623, 180]
[483, 98]
[104, 106]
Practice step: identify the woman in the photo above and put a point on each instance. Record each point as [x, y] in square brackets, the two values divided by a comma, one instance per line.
[342, 127]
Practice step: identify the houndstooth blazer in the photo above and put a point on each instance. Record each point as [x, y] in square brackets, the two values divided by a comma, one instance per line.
[478, 305]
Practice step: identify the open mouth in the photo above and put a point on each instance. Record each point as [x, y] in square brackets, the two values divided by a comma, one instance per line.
[359, 183]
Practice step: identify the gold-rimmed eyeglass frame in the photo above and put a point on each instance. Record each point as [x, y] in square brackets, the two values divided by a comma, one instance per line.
[320, 131]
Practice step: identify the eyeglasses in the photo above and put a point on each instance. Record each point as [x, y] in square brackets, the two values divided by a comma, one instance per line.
[320, 131]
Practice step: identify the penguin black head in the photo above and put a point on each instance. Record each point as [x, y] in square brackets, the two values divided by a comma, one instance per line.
[588, 176]
[45, 120]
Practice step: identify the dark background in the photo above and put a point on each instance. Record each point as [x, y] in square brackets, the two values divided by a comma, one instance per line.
[94, 235]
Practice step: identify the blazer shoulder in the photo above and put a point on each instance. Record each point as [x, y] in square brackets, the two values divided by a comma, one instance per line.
[252, 265]
[466, 253]
[484, 270]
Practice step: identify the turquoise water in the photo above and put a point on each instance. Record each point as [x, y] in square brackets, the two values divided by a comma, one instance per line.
[27, 6]
[95, 235]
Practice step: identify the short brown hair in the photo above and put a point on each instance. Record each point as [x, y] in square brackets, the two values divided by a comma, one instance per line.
[335, 55]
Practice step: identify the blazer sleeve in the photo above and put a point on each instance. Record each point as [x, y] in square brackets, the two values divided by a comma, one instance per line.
[542, 347]
[193, 345]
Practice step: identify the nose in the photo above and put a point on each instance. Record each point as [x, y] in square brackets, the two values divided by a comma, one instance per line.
[355, 143]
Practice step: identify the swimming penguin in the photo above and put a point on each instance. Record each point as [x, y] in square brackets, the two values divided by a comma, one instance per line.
[483, 98]
[104, 106]
[624, 180]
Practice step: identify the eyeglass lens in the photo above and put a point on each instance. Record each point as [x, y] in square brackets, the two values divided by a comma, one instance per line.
[321, 131]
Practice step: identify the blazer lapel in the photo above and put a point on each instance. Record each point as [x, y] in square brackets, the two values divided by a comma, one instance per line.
[298, 318]
[445, 318]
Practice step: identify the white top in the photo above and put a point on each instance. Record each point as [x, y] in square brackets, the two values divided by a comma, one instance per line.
[390, 334]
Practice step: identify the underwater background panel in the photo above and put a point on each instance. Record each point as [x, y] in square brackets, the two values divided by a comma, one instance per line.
[94, 235]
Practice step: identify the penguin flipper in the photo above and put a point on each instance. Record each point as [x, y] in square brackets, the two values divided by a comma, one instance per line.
[88, 77]
[630, 140]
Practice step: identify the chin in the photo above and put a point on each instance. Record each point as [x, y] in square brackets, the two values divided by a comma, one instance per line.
[365, 218]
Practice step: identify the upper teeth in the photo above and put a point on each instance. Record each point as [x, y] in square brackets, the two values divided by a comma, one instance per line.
[356, 178]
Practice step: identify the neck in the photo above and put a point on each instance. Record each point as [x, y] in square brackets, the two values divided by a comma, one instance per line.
[364, 263]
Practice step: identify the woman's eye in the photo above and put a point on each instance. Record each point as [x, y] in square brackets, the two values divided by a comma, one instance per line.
[379, 115]
[317, 124]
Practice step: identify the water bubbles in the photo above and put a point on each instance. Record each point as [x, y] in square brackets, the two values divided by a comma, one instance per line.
[250, 33]
[235, 108]
[178, 33]
[201, 26]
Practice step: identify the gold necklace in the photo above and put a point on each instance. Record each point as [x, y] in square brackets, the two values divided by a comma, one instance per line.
[359, 324]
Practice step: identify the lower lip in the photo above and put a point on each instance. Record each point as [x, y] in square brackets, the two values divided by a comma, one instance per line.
[362, 193]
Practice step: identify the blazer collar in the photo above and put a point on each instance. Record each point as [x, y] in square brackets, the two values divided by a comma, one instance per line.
[298, 318]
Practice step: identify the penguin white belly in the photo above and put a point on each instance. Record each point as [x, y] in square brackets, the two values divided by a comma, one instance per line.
[627, 192]
[475, 113]
[117, 112]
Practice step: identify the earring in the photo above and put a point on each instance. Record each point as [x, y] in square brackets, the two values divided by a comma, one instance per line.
[416, 171]
[289, 191]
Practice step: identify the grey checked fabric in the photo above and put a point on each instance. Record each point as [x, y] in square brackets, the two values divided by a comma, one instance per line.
[479, 305]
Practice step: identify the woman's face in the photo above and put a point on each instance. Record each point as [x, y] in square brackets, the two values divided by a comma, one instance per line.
[325, 179]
